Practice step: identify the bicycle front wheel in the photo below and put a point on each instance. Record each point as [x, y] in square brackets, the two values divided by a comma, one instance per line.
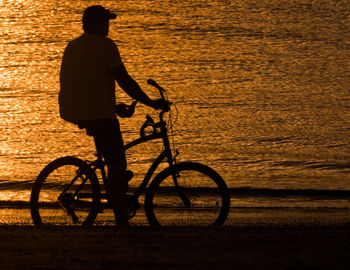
[66, 192]
[187, 194]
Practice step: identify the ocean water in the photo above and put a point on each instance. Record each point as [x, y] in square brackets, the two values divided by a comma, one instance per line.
[262, 90]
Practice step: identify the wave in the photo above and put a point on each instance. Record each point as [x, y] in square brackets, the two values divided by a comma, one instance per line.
[238, 191]
[16, 185]
[14, 204]
[343, 167]
[266, 192]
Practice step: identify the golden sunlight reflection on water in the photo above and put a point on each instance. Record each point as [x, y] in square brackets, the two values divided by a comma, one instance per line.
[262, 89]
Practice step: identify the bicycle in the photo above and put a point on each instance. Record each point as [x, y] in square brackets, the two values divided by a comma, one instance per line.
[67, 191]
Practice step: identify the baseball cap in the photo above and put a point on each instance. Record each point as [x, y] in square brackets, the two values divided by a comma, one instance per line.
[95, 14]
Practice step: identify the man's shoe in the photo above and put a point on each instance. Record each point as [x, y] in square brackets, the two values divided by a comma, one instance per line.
[129, 175]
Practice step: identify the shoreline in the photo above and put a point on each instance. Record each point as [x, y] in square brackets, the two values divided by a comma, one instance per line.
[238, 216]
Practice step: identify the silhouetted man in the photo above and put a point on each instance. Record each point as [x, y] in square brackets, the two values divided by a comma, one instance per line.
[90, 66]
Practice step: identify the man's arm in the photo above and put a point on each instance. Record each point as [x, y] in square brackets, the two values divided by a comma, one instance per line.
[131, 87]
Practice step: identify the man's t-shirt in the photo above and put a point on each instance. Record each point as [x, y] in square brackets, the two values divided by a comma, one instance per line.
[87, 87]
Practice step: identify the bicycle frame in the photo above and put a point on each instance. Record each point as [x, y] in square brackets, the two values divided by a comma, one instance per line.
[160, 131]
[165, 154]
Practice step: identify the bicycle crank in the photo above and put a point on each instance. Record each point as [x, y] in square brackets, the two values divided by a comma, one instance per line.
[67, 201]
[133, 205]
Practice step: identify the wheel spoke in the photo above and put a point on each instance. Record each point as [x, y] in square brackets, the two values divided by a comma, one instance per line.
[54, 198]
[194, 194]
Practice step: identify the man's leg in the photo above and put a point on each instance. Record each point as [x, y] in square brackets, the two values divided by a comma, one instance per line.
[109, 144]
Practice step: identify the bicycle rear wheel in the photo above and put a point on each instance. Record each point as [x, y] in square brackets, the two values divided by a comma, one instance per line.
[66, 192]
[187, 194]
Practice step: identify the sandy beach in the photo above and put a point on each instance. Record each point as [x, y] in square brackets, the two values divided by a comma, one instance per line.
[254, 239]
[229, 247]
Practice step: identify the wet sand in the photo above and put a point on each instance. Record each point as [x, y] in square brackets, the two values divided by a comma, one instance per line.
[251, 239]
[228, 247]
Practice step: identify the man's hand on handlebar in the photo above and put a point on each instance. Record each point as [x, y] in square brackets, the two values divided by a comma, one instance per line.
[125, 111]
[161, 104]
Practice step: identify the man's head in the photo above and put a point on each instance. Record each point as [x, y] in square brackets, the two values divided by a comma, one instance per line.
[96, 20]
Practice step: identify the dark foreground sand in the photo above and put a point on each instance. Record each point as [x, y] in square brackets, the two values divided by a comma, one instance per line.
[142, 247]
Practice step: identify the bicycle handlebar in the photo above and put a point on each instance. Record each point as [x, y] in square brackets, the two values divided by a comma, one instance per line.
[156, 85]
[161, 92]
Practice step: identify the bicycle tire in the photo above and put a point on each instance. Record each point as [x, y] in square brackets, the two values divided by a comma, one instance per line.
[46, 207]
[207, 192]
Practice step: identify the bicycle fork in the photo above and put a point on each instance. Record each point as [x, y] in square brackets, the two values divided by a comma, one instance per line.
[179, 191]
[171, 161]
